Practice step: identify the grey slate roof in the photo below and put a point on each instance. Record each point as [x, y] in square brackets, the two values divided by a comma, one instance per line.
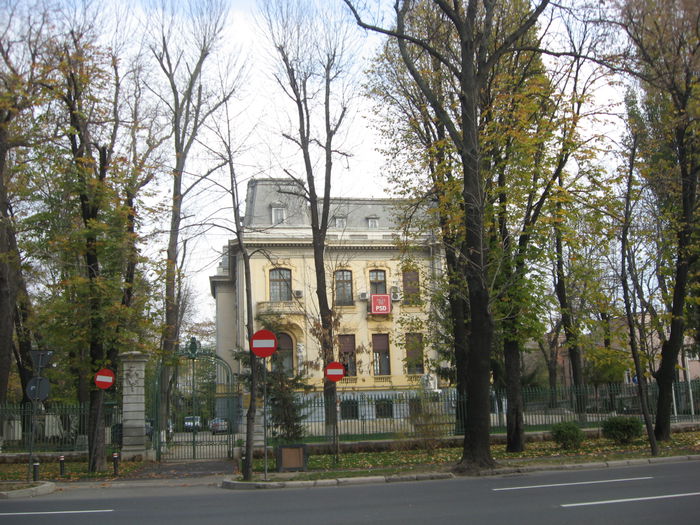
[265, 194]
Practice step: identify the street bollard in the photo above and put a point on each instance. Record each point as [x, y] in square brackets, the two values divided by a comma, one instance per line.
[62, 466]
[115, 462]
[36, 471]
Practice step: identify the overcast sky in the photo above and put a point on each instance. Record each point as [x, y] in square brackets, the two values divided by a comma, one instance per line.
[263, 115]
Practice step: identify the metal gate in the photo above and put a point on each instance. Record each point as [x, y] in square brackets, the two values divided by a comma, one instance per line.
[198, 414]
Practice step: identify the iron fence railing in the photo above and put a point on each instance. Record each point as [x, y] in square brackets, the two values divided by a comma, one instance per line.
[56, 427]
[388, 415]
[410, 414]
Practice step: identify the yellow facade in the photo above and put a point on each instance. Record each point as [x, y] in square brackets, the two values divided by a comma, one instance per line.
[362, 259]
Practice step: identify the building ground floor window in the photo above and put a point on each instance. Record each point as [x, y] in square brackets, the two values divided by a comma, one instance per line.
[380, 346]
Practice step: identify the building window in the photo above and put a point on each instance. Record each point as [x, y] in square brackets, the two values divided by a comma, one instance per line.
[343, 288]
[377, 282]
[372, 223]
[414, 353]
[347, 354]
[380, 345]
[349, 409]
[280, 285]
[279, 215]
[384, 408]
[283, 358]
[341, 222]
[411, 287]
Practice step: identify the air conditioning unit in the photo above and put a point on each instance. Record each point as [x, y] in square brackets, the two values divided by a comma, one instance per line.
[298, 294]
[363, 296]
[395, 296]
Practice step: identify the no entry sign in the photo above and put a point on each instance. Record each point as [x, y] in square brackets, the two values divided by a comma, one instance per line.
[104, 378]
[263, 343]
[335, 371]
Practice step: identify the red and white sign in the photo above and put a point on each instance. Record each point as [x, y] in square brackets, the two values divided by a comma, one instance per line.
[104, 378]
[381, 304]
[334, 371]
[263, 343]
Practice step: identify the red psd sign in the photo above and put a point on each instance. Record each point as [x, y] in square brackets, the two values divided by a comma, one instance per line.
[381, 304]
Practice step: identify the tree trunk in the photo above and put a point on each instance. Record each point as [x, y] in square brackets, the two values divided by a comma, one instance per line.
[515, 422]
[252, 405]
[568, 325]
[666, 374]
[96, 431]
[9, 274]
[477, 447]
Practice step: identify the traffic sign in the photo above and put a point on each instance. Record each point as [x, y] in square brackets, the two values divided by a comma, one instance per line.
[334, 371]
[263, 343]
[40, 358]
[38, 389]
[104, 378]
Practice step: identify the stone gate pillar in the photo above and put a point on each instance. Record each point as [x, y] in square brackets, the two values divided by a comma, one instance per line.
[133, 406]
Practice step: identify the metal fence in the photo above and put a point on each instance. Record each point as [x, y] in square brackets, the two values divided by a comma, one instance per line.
[53, 427]
[438, 414]
[388, 415]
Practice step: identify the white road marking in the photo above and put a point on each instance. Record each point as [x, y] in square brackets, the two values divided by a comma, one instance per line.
[627, 500]
[55, 512]
[571, 484]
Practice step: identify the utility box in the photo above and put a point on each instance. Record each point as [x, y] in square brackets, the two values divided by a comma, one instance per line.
[291, 458]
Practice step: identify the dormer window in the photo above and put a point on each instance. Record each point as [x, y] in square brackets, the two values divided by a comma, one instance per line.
[373, 222]
[341, 222]
[279, 215]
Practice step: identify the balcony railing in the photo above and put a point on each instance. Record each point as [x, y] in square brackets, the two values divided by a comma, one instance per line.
[280, 308]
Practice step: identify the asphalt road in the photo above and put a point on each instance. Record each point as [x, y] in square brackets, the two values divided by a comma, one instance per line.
[661, 493]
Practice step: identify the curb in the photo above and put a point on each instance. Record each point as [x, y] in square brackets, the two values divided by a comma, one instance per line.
[363, 480]
[44, 487]
[47, 487]
[337, 482]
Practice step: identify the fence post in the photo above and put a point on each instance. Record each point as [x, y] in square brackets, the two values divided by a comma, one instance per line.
[133, 406]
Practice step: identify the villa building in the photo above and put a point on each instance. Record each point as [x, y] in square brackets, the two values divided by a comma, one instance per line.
[378, 294]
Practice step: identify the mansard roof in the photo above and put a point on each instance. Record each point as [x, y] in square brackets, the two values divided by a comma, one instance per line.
[265, 194]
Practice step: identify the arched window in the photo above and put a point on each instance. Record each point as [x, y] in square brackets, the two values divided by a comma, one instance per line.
[284, 357]
[343, 288]
[280, 285]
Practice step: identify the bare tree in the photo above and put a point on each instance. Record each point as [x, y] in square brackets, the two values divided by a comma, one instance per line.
[314, 49]
[226, 151]
[183, 42]
[633, 144]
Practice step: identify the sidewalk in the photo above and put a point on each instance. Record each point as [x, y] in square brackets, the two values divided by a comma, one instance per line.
[221, 474]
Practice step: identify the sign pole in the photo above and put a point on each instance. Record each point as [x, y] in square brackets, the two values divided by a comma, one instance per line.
[263, 344]
[265, 413]
[32, 425]
[335, 371]
[337, 431]
[37, 390]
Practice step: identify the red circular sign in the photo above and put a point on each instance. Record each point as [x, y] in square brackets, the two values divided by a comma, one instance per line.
[334, 371]
[263, 343]
[104, 378]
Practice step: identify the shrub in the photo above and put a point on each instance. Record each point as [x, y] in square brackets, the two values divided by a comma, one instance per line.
[622, 429]
[568, 435]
